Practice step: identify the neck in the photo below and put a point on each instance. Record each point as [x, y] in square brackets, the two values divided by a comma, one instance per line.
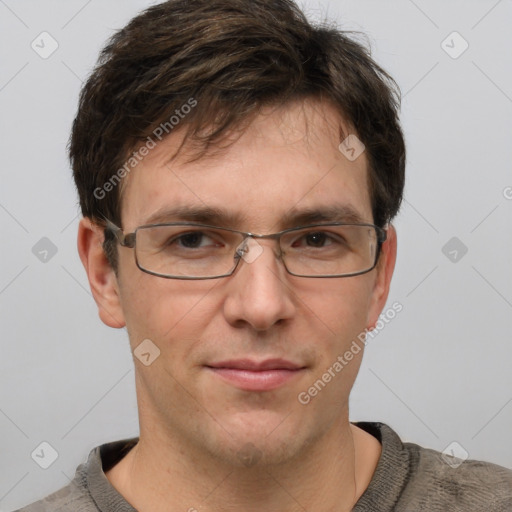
[164, 473]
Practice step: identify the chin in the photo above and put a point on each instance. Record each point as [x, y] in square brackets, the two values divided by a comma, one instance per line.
[259, 453]
[256, 441]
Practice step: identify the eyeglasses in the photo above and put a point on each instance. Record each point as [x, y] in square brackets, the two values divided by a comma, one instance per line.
[188, 250]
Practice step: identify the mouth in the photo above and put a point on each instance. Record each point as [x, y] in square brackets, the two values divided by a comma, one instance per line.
[250, 375]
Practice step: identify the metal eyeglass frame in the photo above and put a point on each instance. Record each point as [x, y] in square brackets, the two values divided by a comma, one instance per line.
[129, 239]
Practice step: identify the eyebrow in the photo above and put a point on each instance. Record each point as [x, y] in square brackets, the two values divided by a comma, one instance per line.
[293, 218]
[334, 213]
[200, 214]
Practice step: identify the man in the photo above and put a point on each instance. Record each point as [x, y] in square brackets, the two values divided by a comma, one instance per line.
[238, 170]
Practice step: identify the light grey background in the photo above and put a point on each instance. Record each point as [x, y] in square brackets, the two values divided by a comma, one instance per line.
[438, 373]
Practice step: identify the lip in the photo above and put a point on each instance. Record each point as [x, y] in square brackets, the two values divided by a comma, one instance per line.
[250, 375]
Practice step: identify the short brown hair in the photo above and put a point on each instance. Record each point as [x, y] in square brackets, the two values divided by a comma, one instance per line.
[231, 57]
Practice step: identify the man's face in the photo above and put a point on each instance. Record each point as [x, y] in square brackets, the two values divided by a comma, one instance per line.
[277, 169]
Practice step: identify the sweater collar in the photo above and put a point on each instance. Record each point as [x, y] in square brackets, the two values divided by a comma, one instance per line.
[382, 493]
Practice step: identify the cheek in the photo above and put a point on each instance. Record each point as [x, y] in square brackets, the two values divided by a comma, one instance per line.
[165, 310]
[340, 314]
[341, 305]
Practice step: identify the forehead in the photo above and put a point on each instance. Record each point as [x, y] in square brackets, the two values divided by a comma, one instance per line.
[286, 162]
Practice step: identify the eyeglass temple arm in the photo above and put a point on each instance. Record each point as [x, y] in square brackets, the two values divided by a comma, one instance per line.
[124, 240]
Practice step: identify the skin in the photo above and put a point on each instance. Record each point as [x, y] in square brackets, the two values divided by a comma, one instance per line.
[204, 443]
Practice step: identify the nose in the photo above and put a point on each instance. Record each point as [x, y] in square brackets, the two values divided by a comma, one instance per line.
[258, 293]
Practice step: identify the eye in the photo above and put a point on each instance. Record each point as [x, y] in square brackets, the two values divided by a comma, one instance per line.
[315, 239]
[192, 240]
[183, 241]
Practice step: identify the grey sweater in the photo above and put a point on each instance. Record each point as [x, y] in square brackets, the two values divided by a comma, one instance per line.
[408, 478]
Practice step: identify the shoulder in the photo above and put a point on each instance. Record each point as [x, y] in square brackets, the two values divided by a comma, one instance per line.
[73, 497]
[465, 485]
[410, 477]
[90, 490]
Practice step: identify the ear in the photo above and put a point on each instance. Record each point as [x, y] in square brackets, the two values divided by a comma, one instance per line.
[102, 279]
[384, 269]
